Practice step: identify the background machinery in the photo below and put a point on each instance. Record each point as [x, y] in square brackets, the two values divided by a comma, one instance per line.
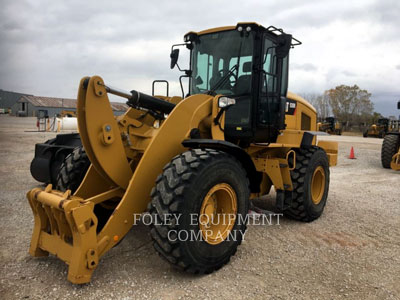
[378, 130]
[237, 133]
[330, 125]
[390, 153]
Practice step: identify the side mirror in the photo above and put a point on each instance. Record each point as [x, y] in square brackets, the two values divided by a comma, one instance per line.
[174, 57]
[284, 43]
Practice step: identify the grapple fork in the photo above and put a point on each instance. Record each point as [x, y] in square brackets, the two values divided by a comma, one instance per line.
[75, 228]
[65, 226]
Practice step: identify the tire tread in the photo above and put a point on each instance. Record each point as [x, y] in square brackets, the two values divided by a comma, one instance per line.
[390, 147]
[73, 170]
[298, 210]
[167, 197]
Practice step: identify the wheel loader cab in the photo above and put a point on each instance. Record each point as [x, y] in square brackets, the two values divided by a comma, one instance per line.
[331, 122]
[248, 63]
[383, 122]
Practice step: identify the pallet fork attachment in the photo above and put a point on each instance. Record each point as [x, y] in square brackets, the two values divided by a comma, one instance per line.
[66, 225]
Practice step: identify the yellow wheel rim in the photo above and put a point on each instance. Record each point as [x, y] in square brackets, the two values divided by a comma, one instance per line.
[218, 213]
[318, 185]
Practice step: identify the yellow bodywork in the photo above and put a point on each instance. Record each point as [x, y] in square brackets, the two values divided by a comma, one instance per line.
[127, 154]
[67, 113]
[326, 127]
[303, 109]
[375, 130]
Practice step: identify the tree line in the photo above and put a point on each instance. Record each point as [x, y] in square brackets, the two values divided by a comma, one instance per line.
[350, 105]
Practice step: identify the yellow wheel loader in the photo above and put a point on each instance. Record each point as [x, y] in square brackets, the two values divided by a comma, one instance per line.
[330, 125]
[193, 163]
[390, 153]
[378, 130]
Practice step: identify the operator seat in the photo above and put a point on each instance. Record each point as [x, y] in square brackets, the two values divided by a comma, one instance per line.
[217, 77]
[243, 84]
[214, 79]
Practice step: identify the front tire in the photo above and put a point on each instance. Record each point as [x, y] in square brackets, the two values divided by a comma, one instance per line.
[198, 183]
[390, 147]
[310, 181]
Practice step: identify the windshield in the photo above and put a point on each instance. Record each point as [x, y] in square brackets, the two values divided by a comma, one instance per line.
[222, 62]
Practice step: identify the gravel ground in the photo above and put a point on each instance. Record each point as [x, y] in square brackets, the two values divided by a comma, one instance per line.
[351, 252]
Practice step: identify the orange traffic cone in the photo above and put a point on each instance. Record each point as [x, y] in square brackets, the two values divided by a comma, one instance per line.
[352, 156]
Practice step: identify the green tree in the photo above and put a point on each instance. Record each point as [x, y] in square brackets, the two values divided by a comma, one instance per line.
[373, 118]
[350, 104]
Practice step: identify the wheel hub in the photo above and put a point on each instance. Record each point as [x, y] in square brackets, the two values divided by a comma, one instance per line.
[218, 213]
[318, 185]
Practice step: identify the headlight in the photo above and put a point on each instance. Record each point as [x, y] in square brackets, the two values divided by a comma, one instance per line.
[225, 101]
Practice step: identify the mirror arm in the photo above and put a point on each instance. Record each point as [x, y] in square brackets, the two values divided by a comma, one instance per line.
[180, 82]
[179, 68]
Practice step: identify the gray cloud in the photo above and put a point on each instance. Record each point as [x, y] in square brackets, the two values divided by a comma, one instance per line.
[386, 102]
[47, 46]
[349, 73]
[305, 67]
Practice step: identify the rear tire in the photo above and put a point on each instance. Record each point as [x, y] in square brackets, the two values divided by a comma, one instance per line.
[181, 191]
[312, 169]
[390, 147]
[55, 166]
[365, 134]
[73, 170]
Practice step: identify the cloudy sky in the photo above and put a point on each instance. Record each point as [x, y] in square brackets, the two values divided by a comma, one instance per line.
[46, 46]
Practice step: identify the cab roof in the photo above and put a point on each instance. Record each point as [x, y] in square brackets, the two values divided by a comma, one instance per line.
[252, 25]
[222, 28]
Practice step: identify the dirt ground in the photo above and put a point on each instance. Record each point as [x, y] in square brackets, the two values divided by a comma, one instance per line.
[351, 252]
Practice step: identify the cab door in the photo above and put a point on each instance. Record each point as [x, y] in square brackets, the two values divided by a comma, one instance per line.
[272, 95]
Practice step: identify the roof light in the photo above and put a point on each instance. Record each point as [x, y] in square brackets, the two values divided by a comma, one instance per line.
[240, 29]
[248, 28]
